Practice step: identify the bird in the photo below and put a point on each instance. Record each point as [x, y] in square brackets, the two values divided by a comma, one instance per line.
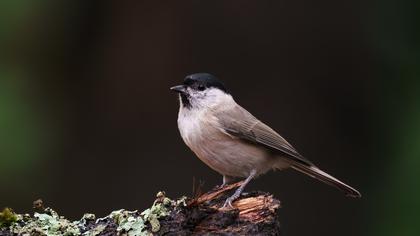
[232, 141]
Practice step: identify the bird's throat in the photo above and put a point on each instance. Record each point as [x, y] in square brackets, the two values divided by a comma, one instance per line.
[185, 100]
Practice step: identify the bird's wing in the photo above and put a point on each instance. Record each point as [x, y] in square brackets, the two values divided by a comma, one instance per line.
[239, 123]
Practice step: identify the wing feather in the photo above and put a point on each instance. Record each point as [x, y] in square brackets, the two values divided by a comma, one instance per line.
[241, 124]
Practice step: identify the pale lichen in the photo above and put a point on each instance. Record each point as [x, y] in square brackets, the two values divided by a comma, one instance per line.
[95, 231]
[122, 222]
[159, 209]
[48, 223]
[135, 224]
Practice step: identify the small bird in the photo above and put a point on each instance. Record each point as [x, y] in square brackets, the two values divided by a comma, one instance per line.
[232, 141]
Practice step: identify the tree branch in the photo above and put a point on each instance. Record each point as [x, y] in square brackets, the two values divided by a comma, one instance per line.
[254, 213]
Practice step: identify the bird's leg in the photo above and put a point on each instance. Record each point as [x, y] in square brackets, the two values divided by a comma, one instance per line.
[227, 180]
[238, 191]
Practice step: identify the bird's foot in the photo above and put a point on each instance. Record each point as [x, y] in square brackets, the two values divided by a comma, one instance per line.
[237, 194]
[229, 200]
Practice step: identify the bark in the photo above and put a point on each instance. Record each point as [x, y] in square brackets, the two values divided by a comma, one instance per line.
[254, 213]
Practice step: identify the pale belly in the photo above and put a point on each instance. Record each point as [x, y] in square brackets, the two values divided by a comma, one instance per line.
[234, 157]
[228, 155]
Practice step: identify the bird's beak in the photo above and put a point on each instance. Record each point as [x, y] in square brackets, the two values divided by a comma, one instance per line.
[179, 89]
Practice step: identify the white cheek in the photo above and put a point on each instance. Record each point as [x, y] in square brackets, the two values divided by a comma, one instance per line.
[213, 97]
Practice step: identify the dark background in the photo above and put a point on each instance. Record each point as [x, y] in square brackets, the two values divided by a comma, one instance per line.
[88, 124]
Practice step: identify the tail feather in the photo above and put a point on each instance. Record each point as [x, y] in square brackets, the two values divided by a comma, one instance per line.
[320, 175]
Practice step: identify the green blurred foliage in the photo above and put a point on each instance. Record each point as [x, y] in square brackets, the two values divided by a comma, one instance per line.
[20, 127]
[13, 13]
[397, 40]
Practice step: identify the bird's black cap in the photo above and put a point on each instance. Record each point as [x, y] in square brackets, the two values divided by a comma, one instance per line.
[204, 79]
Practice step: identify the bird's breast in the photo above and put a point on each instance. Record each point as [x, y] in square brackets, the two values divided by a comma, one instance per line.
[197, 128]
[222, 152]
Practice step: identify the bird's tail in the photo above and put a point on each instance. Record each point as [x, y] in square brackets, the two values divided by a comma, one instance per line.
[320, 175]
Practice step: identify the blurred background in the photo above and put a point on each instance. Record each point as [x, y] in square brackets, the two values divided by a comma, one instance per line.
[88, 124]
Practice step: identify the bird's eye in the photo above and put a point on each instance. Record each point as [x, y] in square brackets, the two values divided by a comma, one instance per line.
[201, 87]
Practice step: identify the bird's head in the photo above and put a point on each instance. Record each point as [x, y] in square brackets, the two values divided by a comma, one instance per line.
[201, 90]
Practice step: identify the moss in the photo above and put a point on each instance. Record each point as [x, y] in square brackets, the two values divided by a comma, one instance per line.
[7, 217]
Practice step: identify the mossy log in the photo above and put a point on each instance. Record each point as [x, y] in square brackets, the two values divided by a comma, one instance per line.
[254, 213]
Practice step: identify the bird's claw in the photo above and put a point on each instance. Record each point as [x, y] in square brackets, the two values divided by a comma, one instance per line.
[228, 202]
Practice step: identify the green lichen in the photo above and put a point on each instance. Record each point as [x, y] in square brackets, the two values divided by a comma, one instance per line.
[159, 209]
[48, 224]
[7, 217]
[130, 223]
[134, 226]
